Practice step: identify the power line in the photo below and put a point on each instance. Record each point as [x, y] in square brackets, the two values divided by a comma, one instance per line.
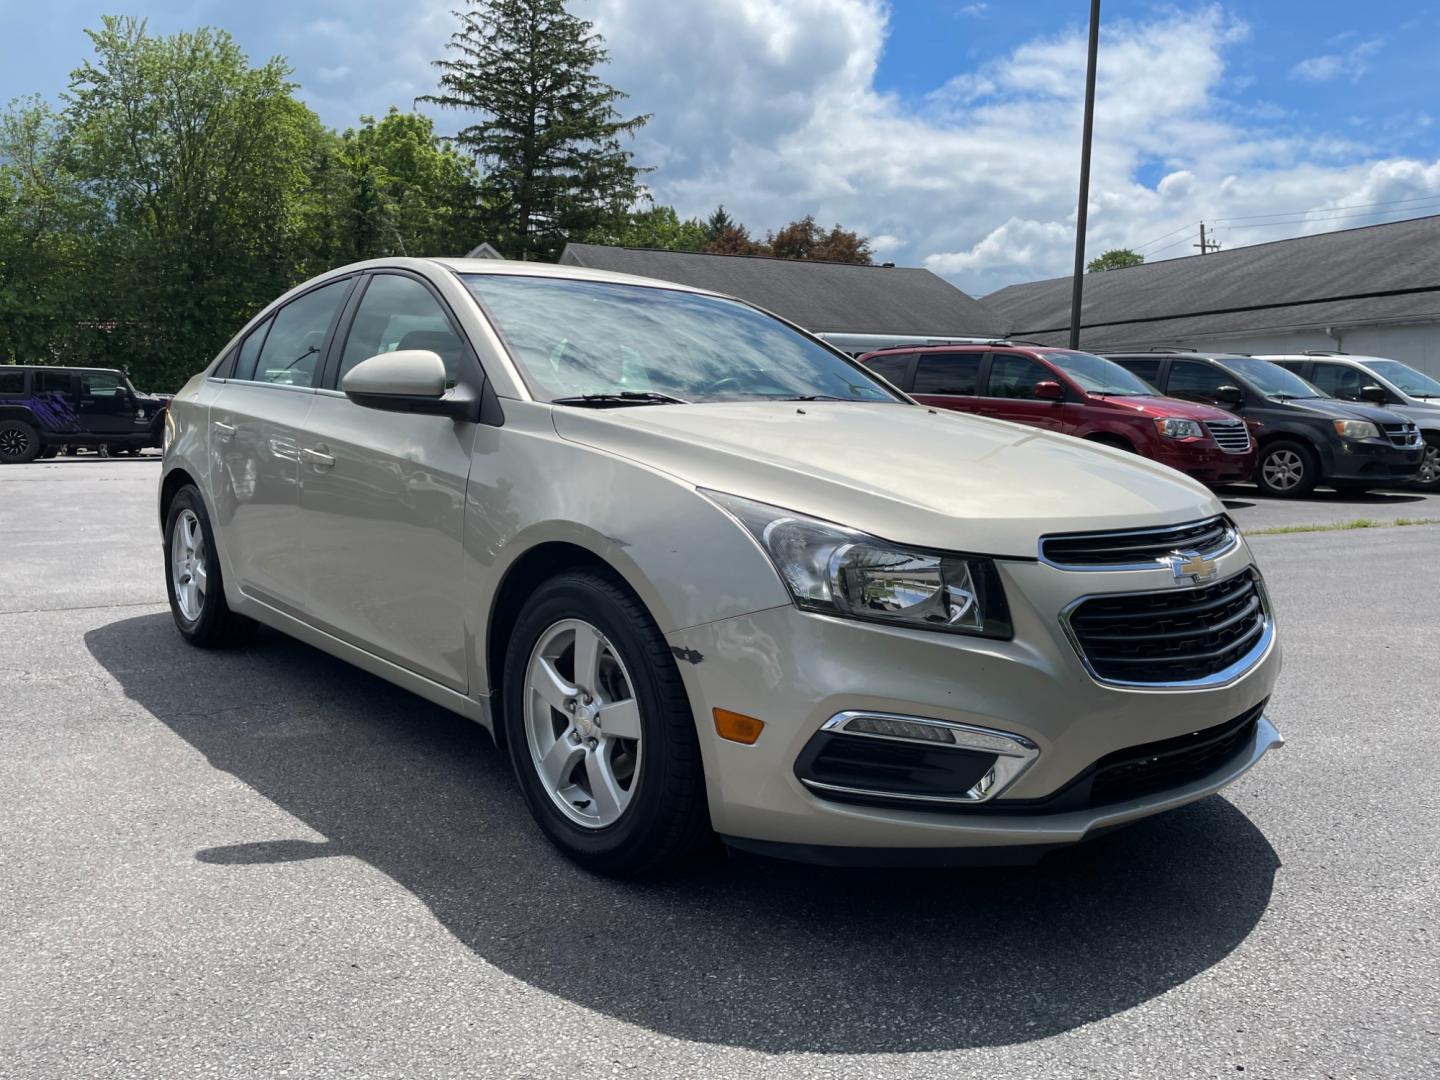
[1329, 209]
[1302, 221]
[1183, 228]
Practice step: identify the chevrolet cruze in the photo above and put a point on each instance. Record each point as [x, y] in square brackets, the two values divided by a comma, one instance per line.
[700, 573]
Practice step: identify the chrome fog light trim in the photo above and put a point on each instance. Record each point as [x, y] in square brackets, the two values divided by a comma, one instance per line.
[1013, 753]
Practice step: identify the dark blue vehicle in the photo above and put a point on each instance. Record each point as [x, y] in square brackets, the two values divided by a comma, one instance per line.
[45, 408]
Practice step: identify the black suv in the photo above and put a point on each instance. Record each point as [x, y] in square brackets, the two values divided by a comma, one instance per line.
[45, 408]
[1304, 437]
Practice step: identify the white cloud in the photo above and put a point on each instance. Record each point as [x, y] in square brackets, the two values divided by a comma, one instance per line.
[975, 11]
[1350, 64]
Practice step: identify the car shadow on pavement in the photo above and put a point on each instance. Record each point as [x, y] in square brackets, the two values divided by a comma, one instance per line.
[741, 951]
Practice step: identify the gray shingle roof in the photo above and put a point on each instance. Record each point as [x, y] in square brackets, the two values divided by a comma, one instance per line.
[1377, 273]
[823, 297]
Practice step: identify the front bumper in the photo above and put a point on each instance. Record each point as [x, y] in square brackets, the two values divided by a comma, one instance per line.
[1373, 461]
[796, 670]
[1207, 463]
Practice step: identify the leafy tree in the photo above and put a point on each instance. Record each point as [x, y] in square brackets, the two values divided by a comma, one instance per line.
[1114, 259]
[804, 239]
[655, 227]
[548, 132]
[718, 224]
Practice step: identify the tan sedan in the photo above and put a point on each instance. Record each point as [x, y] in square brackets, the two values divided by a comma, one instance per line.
[700, 573]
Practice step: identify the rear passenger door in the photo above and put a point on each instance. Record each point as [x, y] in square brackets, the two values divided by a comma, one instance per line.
[255, 425]
[1010, 392]
[948, 380]
[382, 494]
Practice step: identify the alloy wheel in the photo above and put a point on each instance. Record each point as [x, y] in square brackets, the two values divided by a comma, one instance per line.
[1429, 466]
[13, 442]
[188, 572]
[582, 723]
[1283, 469]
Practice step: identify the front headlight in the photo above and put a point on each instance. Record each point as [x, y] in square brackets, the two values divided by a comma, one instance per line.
[1356, 429]
[1173, 427]
[840, 571]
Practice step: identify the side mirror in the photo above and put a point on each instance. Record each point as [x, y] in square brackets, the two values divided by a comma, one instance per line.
[1374, 393]
[1049, 390]
[1229, 395]
[408, 380]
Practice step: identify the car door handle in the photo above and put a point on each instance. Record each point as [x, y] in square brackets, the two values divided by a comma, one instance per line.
[318, 458]
[225, 431]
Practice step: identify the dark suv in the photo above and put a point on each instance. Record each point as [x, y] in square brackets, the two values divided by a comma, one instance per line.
[45, 408]
[1305, 438]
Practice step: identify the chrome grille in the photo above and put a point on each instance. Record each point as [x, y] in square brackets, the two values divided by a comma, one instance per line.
[1173, 636]
[1137, 549]
[1406, 434]
[1232, 435]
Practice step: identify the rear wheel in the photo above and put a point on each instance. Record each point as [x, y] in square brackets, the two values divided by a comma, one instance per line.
[1428, 478]
[1287, 469]
[599, 729]
[192, 577]
[19, 442]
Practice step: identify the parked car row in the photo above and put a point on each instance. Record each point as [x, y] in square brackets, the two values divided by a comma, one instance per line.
[46, 410]
[1217, 417]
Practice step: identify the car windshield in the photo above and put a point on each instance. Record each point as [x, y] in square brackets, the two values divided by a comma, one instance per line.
[634, 344]
[1412, 382]
[1096, 375]
[1272, 380]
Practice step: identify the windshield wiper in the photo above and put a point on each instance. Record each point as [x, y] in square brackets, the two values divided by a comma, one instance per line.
[817, 397]
[624, 397]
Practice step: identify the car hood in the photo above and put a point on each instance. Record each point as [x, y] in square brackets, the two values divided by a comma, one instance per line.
[931, 478]
[1336, 409]
[1168, 406]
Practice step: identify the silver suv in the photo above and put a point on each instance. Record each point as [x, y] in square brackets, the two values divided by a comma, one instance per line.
[699, 572]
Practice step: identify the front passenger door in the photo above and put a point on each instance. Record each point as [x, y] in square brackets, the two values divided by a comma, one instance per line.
[1010, 392]
[382, 494]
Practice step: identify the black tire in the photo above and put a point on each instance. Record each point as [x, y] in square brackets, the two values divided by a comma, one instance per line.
[49, 452]
[1431, 464]
[667, 818]
[1299, 479]
[19, 442]
[216, 626]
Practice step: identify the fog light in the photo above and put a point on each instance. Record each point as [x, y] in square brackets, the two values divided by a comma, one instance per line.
[737, 727]
[891, 727]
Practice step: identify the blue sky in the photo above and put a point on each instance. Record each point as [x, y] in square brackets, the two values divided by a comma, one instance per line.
[945, 130]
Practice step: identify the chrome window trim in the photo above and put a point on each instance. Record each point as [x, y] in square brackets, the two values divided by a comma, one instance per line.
[1224, 677]
[1014, 754]
[1231, 541]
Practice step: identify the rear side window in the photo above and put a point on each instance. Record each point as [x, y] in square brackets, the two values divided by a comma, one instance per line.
[947, 373]
[12, 382]
[1015, 377]
[396, 313]
[1196, 382]
[291, 353]
[52, 382]
[1149, 370]
[894, 367]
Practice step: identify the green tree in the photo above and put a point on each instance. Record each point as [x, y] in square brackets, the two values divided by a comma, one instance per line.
[655, 227]
[804, 239]
[718, 224]
[199, 161]
[1114, 259]
[548, 133]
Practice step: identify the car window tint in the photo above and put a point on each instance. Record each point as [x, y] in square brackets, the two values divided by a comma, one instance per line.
[1013, 376]
[398, 312]
[101, 385]
[893, 366]
[1196, 382]
[291, 353]
[1149, 370]
[1339, 381]
[947, 373]
[250, 352]
[52, 382]
[12, 382]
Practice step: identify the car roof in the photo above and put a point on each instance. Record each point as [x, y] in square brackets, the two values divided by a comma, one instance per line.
[66, 367]
[959, 345]
[1187, 354]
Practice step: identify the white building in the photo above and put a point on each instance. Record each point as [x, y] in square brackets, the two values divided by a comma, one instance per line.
[1373, 290]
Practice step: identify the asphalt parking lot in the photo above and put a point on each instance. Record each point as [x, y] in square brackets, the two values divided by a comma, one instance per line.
[266, 863]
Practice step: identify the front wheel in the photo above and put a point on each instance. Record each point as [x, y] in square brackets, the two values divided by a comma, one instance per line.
[1428, 478]
[599, 729]
[1287, 469]
[192, 577]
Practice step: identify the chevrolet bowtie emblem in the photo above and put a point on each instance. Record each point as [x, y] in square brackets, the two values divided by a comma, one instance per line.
[1193, 566]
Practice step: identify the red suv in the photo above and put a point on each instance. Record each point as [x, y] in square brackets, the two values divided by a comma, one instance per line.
[1076, 393]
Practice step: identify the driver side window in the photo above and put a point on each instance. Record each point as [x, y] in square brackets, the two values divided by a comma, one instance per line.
[397, 313]
[1196, 382]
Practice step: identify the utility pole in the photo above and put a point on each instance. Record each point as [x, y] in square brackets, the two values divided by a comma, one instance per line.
[1083, 210]
[1204, 246]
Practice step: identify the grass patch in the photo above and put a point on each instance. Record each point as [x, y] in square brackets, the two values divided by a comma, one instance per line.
[1341, 526]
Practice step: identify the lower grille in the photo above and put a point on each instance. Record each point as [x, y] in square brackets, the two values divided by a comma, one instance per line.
[1144, 770]
[1232, 436]
[1406, 435]
[1171, 636]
